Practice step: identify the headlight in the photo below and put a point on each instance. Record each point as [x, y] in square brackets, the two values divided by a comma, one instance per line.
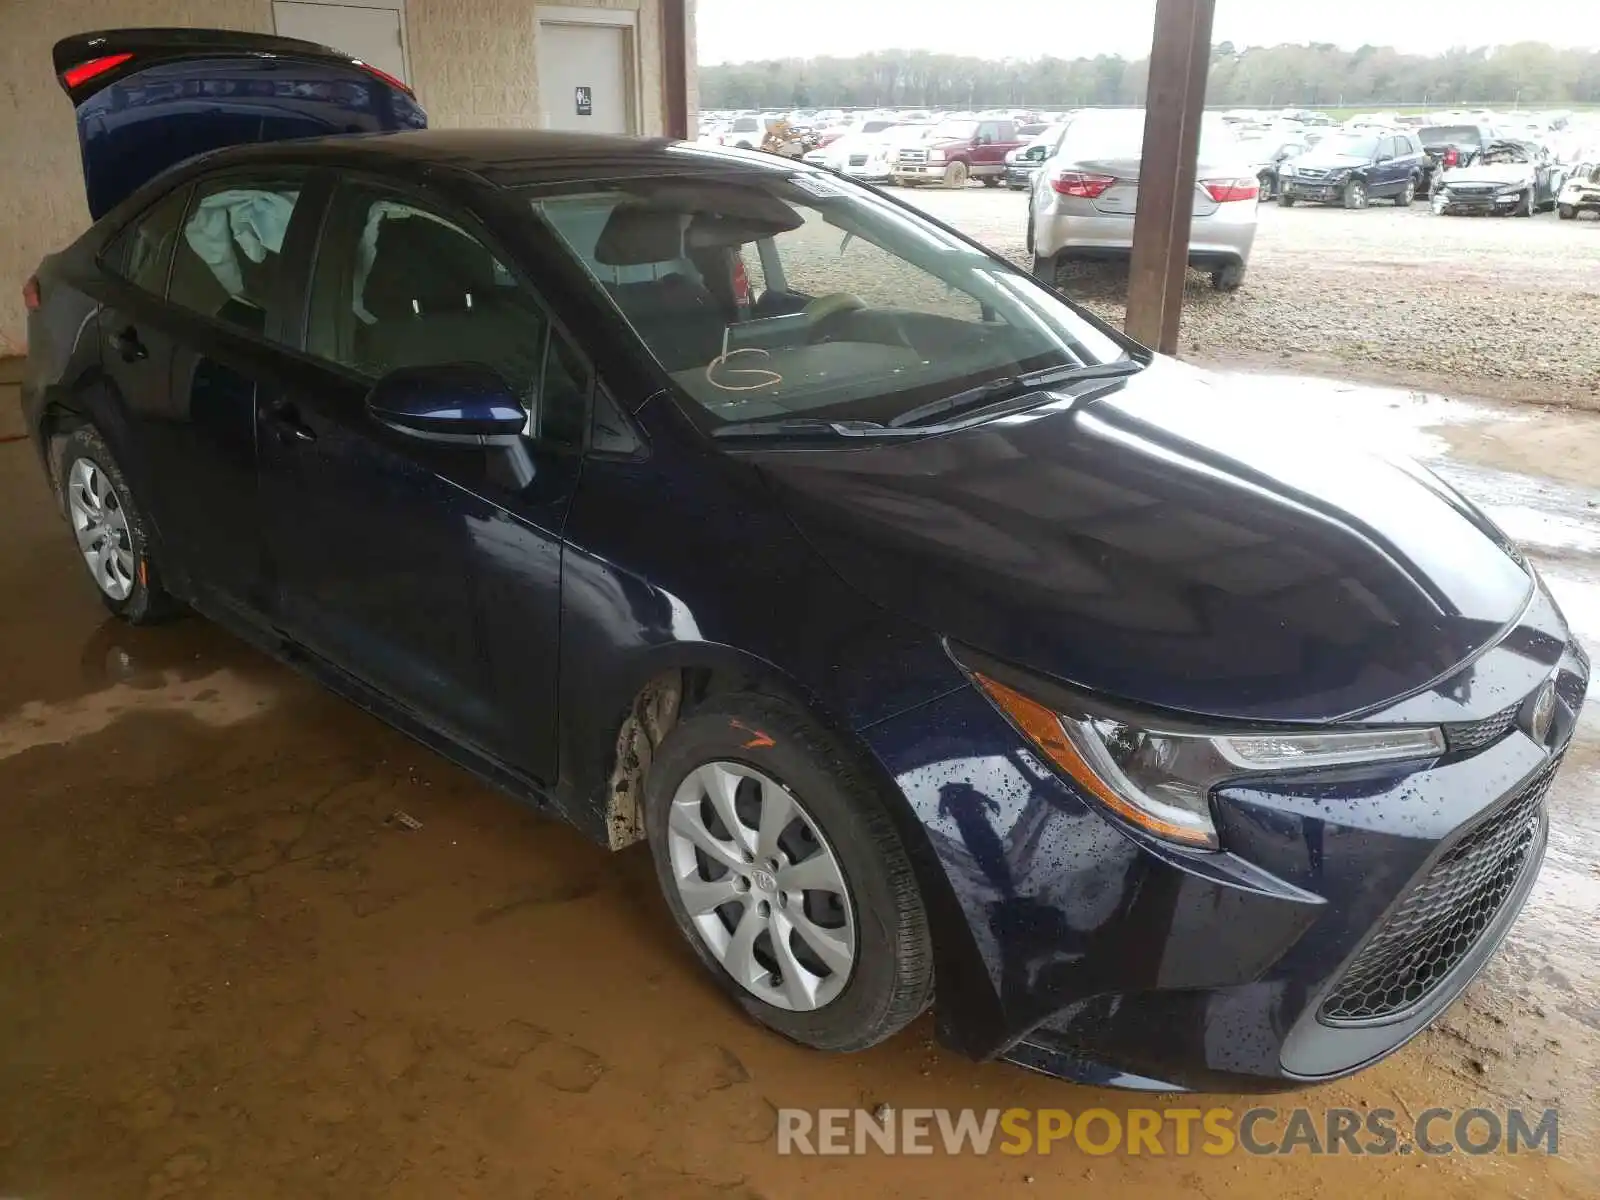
[1338, 176]
[1161, 780]
[1513, 189]
[936, 156]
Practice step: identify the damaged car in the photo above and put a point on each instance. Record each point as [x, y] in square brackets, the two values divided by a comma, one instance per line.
[1581, 193]
[1508, 178]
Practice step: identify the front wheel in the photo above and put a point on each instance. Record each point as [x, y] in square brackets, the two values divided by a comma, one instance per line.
[1525, 206]
[111, 532]
[1567, 212]
[956, 175]
[1286, 201]
[784, 870]
[991, 181]
[1355, 194]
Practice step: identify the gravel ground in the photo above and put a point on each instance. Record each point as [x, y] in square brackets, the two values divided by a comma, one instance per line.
[1494, 307]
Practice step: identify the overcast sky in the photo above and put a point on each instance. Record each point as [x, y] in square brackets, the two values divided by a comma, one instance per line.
[742, 30]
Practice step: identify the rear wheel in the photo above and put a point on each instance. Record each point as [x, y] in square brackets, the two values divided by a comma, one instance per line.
[110, 530]
[1407, 194]
[956, 175]
[1229, 278]
[1046, 269]
[785, 873]
[1567, 212]
[1355, 194]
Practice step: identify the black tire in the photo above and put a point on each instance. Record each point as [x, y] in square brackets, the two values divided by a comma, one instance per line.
[1027, 236]
[1229, 278]
[1355, 195]
[1046, 269]
[1567, 213]
[1407, 194]
[991, 181]
[1286, 201]
[956, 175]
[1525, 206]
[891, 981]
[148, 602]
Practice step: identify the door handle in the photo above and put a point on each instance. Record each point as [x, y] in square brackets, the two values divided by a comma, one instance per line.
[286, 425]
[127, 344]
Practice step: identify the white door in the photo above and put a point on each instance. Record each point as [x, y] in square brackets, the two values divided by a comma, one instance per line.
[583, 78]
[370, 34]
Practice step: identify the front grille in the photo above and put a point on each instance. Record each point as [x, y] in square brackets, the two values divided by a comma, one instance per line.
[1438, 924]
[1474, 189]
[913, 156]
[858, 160]
[1475, 735]
[1304, 176]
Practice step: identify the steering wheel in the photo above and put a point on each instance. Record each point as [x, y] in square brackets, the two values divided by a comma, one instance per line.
[826, 310]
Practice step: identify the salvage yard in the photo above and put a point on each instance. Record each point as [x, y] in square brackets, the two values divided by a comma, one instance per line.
[1493, 307]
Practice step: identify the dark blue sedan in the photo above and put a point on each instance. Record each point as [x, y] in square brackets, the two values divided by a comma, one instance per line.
[944, 646]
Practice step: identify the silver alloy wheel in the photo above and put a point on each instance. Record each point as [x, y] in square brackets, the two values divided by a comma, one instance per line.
[1358, 193]
[762, 886]
[101, 527]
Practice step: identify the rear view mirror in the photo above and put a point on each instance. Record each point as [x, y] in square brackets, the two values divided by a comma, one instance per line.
[465, 404]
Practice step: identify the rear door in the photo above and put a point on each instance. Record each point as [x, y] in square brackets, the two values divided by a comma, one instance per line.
[149, 98]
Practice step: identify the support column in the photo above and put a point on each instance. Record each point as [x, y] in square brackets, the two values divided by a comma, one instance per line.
[1180, 60]
[675, 66]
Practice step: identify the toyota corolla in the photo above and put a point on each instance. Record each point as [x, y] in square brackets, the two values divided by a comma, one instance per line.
[943, 646]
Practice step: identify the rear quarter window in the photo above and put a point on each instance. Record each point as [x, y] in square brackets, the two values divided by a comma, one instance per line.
[142, 252]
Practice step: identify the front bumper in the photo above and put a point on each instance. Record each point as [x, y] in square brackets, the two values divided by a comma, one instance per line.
[1480, 205]
[918, 172]
[1312, 193]
[1072, 944]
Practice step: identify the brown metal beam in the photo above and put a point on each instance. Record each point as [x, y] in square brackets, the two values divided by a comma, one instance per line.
[675, 66]
[1180, 59]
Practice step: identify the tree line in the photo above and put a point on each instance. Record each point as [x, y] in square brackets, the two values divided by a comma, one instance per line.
[1528, 73]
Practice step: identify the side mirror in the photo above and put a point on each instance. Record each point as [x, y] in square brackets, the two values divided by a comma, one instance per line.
[462, 404]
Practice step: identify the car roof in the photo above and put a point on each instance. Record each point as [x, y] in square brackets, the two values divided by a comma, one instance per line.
[510, 157]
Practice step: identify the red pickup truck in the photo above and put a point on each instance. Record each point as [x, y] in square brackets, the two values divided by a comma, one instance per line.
[958, 150]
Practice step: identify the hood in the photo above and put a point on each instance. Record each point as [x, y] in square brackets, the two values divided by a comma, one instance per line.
[1152, 546]
[1330, 162]
[1494, 173]
[149, 98]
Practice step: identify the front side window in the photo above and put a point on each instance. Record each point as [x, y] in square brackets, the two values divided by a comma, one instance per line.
[398, 285]
[142, 252]
[774, 295]
[229, 263]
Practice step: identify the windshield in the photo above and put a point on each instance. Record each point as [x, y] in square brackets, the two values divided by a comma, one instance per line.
[1449, 135]
[956, 129]
[778, 295]
[1120, 134]
[1505, 152]
[1351, 144]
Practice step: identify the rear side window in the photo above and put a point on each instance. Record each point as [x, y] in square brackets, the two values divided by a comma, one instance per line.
[397, 285]
[229, 263]
[142, 252]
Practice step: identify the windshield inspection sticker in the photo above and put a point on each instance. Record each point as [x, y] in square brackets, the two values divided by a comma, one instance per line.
[817, 185]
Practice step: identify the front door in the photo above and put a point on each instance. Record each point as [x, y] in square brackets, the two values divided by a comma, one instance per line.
[425, 571]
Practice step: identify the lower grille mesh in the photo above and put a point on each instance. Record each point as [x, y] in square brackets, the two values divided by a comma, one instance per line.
[1437, 925]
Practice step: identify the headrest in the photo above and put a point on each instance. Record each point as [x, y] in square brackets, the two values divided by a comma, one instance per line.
[421, 266]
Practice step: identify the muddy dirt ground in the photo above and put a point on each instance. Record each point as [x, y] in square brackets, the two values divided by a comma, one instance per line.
[226, 971]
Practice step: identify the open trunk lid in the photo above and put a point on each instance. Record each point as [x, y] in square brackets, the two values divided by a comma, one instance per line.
[149, 98]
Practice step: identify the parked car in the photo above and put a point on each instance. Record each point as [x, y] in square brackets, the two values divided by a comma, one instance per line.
[864, 156]
[1354, 168]
[1505, 178]
[1082, 202]
[1448, 147]
[942, 644]
[956, 151]
[746, 133]
[1023, 163]
[1268, 155]
[1581, 193]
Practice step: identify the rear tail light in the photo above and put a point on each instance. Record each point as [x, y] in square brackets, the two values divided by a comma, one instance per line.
[397, 84]
[1225, 191]
[1451, 157]
[32, 297]
[85, 71]
[1085, 187]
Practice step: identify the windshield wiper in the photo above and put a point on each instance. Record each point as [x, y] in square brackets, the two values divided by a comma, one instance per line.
[1000, 391]
[799, 427]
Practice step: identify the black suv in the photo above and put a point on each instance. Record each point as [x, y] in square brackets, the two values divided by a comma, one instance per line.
[1353, 168]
